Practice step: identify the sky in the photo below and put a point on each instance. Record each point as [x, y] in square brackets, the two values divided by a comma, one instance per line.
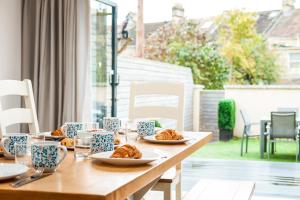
[161, 10]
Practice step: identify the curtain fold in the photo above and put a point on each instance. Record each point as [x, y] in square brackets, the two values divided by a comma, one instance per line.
[55, 56]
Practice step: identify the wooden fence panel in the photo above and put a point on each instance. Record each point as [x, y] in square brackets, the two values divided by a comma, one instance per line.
[135, 69]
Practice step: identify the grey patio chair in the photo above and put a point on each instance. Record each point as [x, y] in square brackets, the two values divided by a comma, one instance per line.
[283, 126]
[247, 130]
[288, 109]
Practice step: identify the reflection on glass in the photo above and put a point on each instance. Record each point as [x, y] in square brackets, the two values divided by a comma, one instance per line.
[101, 59]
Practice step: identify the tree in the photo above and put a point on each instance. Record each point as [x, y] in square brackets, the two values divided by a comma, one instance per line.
[158, 43]
[184, 44]
[208, 66]
[247, 51]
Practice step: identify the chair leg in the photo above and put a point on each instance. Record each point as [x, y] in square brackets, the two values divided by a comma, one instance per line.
[242, 143]
[168, 192]
[272, 147]
[247, 144]
[269, 149]
[178, 185]
[297, 151]
[266, 141]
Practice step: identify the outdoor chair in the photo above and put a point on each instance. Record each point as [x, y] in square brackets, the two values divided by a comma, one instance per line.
[247, 132]
[283, 126]
[288, 109]
[172, 176]
[18, 115]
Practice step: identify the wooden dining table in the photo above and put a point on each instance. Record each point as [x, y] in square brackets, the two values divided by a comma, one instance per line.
[92, 180]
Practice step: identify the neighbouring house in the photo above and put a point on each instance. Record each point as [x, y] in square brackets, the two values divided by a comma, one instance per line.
[281, 28]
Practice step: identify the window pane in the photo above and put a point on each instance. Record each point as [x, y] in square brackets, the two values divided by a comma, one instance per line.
[100, 59]
[294, 57]
[295, 64]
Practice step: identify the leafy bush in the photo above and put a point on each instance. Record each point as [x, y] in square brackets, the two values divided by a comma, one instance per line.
[157, 124]
[208, 67]
[226, 114]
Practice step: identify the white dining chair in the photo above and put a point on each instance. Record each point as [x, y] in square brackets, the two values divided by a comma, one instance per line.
[176, 112]
[13, 116]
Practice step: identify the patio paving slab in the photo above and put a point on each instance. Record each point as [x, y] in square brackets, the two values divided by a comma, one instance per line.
[274, 180]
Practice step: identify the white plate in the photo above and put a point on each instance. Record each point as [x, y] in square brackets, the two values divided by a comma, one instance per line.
[156, 129]
[8, 170]
[153, 140]
[147, 157]
[48, 136]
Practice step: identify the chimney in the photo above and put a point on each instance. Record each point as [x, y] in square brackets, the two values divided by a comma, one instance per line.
[177, 13]
[288, 5]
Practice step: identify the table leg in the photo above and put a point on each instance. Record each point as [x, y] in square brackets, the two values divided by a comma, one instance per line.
[178, 185]
[141, 193]
[262, 138]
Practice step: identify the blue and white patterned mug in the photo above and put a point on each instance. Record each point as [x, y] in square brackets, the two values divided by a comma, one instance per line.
[102, 141]
[46, 154]
[8, 143]
[145, 128]
[70, 128]
[111, 124]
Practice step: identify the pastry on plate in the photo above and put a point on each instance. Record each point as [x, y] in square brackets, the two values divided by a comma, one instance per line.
[117, 141]
[68, 142]
[1, 149]
[57, 132]
[168, 134]
[127, 151]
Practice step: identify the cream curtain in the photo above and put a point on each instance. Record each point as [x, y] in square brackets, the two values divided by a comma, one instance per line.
[55, 56]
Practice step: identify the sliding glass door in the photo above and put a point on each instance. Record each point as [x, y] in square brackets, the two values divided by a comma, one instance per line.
[103, 59]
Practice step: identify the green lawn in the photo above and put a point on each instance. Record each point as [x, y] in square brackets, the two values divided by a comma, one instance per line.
[285, 151]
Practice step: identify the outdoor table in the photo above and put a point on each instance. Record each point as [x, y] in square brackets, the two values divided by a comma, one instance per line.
[263, 138]
[90, 180]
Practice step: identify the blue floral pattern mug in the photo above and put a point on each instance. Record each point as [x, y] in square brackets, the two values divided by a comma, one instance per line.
[102, 141]
[70, 128]
[111, 124]
[8, 143]
[46, 154]
[145, 128]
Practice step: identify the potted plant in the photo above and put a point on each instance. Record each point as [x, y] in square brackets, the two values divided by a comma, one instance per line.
[157, 124]
[226, 119]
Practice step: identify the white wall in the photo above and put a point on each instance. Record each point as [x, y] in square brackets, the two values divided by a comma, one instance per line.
[10, 39]
[259, 101]
[10, 46]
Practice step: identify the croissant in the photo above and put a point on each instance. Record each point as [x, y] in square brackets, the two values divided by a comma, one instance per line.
[57, 132]
[117, 141]
[127, 151]
[68, 142]
[168, 134]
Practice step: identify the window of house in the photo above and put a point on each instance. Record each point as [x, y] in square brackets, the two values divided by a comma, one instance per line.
[294, 60]
[103, 59]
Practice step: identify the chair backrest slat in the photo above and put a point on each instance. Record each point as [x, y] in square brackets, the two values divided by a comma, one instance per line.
[18, 115]
[283, 125]
[15, 116]
[245, 117]
[162, 112]
[156, 112]
[13, 87]
[288, 109]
